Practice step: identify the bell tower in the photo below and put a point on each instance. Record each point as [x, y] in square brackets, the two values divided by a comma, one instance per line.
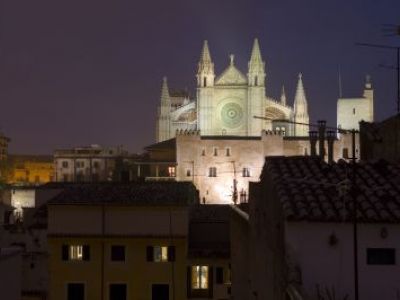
[256, 91]
[205, 91]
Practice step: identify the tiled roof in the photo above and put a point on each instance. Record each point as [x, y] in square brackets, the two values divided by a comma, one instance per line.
[312, 190]
[209, 231]
[146, 193]
[167, 144]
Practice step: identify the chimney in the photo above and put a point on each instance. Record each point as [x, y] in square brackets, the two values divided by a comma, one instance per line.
[321, 138]
[330, 136]
[313, 142]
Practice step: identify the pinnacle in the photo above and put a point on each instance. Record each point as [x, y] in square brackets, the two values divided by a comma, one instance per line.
[205, 53]
[283, 96]
[256, 53]
[300, 96]
[164, 88]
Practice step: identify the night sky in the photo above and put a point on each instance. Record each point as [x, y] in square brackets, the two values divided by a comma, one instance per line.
[83, 72]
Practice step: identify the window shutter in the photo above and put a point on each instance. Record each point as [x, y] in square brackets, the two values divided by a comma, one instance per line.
[189, 282]
[171, 253]
[86, 252]
[219, 275]
[149, 253]
[210, 282]
[64, 252]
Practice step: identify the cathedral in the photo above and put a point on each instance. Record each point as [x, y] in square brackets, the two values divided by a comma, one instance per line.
[226, 104]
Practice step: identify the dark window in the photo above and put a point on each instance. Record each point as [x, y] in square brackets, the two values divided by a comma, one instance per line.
[160, 292]
[256, 81]
[65, 164]
[381, 256]
[205, 81]
[118, 253]
[219, 275]
[345, 153]
[212, 172]
[246, 172]
[117, 291]
[215, 151]
[354, 111]
[188, 173]
[75, 291]
[203, 152]
[228, 151]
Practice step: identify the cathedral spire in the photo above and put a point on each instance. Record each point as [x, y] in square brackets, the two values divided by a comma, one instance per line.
[205, 72]
[163, 118]
[256, 75]
[164, 91]
[205, 56]
[283, 96]
[256, 53]
[301, 109]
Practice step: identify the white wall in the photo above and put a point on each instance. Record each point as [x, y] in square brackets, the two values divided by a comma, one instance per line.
[332, 266]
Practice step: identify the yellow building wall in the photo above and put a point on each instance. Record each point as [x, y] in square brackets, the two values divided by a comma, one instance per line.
[32, 172]
[136, 271]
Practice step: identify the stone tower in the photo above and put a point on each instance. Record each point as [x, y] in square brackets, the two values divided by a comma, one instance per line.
[164, 114]
[301, 110]
[256, 91]
[205, 91]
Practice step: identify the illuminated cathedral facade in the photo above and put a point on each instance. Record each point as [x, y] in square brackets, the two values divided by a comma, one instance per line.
[226, 104]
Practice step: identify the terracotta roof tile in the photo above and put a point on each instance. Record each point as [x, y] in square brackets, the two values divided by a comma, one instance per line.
[310, 189]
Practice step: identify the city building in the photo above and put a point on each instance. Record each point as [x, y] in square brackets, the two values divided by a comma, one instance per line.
[300, 218]
[90, 164]
[3, 147]
[381, 140]
[99, 245]
[10, 273]
[3, 157]
[351, 111]
[221, 167]
[226, 104]
[30, 169]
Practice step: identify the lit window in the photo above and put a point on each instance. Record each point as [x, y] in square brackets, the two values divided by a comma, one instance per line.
[160, 253]
[228, 151]
[171, 171]
[212, 172]
[246, 172]
[199, 277]
[283, 130]
[76, 252]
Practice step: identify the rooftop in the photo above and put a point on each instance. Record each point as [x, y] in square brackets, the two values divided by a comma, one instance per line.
[312, 190]
[139, 194]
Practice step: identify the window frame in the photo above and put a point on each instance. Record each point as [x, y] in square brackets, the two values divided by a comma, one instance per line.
[75, 282]
[113, 259]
